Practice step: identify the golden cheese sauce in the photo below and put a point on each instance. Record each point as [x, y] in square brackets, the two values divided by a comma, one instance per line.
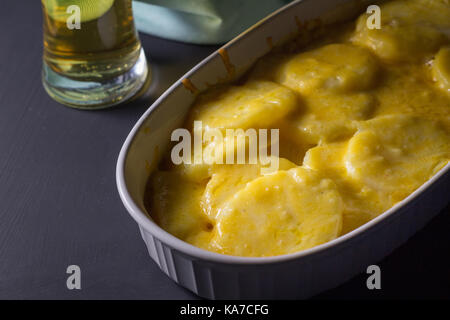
[364, 120]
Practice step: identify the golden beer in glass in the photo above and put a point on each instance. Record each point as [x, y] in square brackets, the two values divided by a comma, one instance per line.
[92, 54]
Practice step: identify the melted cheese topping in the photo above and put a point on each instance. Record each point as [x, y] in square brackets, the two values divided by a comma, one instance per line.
[364, 121]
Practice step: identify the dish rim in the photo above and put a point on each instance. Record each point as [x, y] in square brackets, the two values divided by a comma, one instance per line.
[155, 230]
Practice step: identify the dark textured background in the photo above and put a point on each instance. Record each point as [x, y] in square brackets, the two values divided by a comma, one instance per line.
[58, 200]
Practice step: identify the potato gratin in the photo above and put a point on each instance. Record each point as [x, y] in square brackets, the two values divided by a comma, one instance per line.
[364, 120]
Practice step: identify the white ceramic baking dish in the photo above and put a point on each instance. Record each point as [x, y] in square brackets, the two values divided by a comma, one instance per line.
[297, 275]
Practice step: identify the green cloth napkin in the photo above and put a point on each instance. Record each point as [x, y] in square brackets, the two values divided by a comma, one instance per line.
[200, 21]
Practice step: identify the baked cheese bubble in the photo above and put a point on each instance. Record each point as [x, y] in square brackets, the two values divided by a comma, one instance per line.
[281, 213]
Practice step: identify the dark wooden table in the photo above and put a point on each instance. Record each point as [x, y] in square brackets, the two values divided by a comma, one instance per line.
[58, 200]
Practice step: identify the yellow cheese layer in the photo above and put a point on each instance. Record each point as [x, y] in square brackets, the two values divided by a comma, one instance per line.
[363, 119]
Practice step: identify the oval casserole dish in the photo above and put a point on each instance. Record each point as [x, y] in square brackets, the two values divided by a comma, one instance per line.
[298, 275]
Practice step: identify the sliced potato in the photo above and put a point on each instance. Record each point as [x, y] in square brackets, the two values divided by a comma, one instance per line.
[226, 180]
[361, 203]
[334, 67]
[395, 154]
[330, 117]
[257, 104]
[281, 213]
[409, 30]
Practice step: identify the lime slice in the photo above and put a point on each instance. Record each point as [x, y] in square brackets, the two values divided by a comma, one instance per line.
[89, 9]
